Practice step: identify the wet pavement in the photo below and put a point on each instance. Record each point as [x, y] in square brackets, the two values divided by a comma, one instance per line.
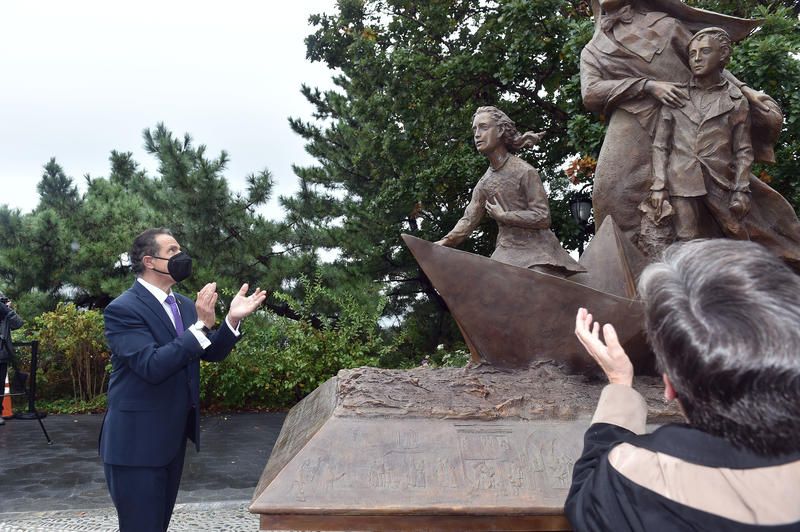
[61, 487]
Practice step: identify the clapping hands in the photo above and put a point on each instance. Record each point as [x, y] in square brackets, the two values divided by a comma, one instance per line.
[243, 305]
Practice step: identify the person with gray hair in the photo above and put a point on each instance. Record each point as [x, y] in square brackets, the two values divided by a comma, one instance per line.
[723, 319]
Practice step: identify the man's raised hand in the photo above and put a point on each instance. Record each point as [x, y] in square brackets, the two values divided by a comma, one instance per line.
[205, 304]
[243, 305]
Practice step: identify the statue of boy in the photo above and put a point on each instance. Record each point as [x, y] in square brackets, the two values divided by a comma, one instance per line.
[512, 194]
[702, 156]
[635, 64]
[702, 151]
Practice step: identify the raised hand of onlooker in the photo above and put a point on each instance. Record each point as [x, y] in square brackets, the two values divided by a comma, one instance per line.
[610, 355]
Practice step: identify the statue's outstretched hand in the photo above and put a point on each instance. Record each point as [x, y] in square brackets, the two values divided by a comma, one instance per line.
[609, 355]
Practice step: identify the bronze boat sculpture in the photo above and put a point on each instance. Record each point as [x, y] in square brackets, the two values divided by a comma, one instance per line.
[512, 317]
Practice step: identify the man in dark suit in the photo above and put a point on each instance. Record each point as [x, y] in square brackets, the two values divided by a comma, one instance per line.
[157, 339]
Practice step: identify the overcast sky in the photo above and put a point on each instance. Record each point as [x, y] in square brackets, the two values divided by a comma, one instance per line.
[83, 77]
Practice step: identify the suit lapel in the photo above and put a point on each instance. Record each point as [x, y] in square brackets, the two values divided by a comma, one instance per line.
[150, 301]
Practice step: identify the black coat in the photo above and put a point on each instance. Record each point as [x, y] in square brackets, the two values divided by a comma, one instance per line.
[9, 321]
[676, 478]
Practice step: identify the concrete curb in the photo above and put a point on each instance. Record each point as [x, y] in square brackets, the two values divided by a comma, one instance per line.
[227, 516]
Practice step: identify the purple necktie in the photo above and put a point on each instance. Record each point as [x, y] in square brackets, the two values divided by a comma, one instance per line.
[173, 306]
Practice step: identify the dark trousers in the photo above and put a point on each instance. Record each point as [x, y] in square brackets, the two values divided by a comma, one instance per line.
[3, 373]
[145, 496]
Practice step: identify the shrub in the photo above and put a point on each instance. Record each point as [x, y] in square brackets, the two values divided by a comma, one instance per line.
[73, 356]
[280, 360]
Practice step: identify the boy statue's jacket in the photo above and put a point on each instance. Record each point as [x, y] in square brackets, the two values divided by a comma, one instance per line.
[716, 139]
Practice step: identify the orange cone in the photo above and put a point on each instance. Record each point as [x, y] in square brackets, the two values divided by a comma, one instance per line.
[7, 411]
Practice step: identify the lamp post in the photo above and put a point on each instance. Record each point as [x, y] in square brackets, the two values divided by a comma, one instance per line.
[580, 206]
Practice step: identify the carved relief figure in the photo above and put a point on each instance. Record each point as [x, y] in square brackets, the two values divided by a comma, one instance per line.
[511, 193]
[637, 63]
[484, 477]
[445, 473]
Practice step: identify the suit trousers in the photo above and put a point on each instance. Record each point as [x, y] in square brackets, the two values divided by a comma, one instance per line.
[3, 373]
[145, 496]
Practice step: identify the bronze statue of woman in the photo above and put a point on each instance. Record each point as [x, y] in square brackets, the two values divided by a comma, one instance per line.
[512, 194]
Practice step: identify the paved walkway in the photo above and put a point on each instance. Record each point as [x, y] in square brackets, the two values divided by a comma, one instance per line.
[60, 487]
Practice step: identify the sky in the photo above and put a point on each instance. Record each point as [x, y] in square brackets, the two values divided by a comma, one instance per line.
[85, 77]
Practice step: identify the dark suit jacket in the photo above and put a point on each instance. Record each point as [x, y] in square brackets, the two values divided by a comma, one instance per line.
[8, 320]
[154, 382]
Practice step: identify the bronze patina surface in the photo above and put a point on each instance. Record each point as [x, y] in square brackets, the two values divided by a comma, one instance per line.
[512, 194]
[434, 449]
[635, 71]
[512, 316]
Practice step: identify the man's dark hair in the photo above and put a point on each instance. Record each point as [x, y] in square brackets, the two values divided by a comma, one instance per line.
[145, 244]
[723, 318]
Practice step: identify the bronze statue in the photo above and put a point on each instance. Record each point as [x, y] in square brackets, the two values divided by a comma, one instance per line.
[511, 193]
[636, 64]
[709, 136]
[702, 156]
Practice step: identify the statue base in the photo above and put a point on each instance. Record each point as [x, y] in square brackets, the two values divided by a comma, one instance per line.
[434, 449]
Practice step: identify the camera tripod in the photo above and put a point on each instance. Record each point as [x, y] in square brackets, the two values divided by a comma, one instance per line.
[32, 413]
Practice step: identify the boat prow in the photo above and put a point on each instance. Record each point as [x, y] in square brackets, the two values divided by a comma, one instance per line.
[512, 317]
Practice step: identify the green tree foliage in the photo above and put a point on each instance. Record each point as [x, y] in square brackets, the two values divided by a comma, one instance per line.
[393, 138]
[223, 231]
[73, 246]
[280, 360]
[56, 190]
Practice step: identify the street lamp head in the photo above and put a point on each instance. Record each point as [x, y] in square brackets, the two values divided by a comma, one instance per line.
[580, 206]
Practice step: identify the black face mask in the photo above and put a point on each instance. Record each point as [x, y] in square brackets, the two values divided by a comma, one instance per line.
[179, 266]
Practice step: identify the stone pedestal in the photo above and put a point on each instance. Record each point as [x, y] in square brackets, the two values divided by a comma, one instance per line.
[434, 449]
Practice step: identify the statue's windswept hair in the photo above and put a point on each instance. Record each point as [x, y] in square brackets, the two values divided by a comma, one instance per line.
[512, 139]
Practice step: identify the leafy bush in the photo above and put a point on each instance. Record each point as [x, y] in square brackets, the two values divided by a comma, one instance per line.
[72, 353]
[280, 360]
[456, 358]
[72, 406]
